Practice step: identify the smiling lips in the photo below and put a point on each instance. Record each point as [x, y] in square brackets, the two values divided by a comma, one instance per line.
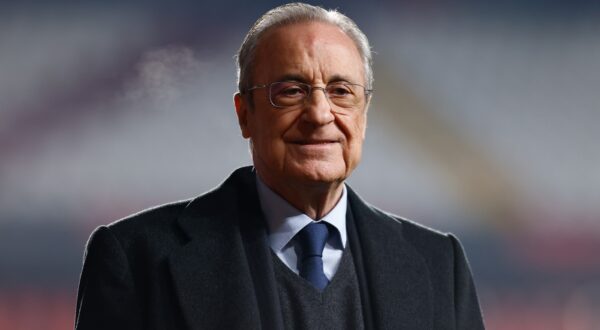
[315, 147]
[317, 142]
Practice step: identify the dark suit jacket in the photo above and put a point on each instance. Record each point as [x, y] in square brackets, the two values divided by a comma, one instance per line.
[205, 263]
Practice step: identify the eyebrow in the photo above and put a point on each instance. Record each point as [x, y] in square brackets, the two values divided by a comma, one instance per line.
[302, 79]
[292, 77]
[339, 78]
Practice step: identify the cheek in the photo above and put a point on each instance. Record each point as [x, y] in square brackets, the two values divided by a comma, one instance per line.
[361, 128]
[267, 132]
[353, 128]
[354, 151]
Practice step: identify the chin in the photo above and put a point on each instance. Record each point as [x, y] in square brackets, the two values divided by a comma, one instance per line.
[320, 173]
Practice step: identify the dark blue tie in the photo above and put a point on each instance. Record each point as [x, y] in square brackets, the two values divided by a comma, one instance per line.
[312, 240]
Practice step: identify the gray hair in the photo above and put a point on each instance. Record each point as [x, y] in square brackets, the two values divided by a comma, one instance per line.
[297, 13]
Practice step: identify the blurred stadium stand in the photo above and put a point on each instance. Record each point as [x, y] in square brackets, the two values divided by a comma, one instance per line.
[485, 122]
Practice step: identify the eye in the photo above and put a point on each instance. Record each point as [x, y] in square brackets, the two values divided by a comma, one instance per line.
[339, 90]
[292, 91]
[288, 90]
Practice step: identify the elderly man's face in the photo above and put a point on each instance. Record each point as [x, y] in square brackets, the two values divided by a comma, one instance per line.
[317, 142]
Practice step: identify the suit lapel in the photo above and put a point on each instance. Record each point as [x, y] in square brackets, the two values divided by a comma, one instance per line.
[220, 275]
[397, 280]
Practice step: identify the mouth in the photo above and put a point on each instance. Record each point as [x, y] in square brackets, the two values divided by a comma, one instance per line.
[313, 142]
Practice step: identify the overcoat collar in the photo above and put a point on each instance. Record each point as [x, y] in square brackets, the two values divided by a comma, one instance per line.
[224, 278]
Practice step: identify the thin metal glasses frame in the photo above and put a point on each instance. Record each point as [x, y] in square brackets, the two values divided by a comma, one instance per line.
[310, 88]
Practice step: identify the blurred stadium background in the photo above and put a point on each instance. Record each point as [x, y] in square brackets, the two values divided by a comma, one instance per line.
[485, 122]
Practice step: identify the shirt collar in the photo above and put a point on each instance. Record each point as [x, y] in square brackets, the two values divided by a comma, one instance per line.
[284, 221]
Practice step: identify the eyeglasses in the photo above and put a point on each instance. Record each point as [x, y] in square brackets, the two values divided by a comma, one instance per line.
[287, 94]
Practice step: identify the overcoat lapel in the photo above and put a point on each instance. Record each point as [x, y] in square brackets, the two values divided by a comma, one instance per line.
[258, 252]
[216, 285]
[397, 279]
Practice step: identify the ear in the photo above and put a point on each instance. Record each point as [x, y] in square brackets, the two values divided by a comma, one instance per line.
[241, 109]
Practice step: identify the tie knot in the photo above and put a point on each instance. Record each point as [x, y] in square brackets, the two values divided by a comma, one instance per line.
[312, 239]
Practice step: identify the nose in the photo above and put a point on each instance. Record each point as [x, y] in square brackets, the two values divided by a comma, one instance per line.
[317, 108]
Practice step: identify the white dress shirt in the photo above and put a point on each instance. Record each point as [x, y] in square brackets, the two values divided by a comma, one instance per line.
[284, 221]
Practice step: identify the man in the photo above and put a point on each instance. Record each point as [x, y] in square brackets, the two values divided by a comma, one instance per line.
[285, 244]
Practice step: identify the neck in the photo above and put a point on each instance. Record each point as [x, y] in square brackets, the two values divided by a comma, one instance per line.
[315, 199]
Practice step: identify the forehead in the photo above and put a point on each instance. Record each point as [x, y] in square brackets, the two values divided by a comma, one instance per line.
[312, 50]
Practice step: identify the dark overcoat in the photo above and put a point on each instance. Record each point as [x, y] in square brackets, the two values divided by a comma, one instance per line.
[205, 263]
